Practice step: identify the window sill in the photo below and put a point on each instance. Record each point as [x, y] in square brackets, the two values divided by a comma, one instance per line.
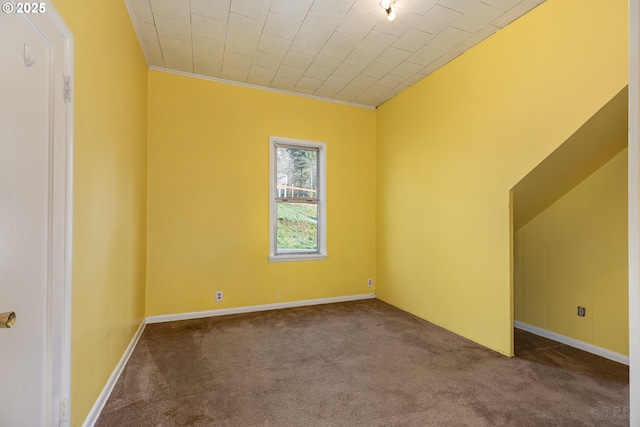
[301, 257]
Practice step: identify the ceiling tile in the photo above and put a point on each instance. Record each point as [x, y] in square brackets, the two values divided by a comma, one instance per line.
[348, 71]
[208, 27]
[342, 97]
[413, 40]
[242, 45]
[234, 74]
[319, 25]
[502, 4]
[406, 69]
[326, 92]
[377, 41]
[281, 26]
[237, 60]
[245, 26]
[477, 17]
[341, 42]
[437, 19]
[297, 59]
[304, 90]
[363, 81]
[207, 65]
[185, 65]
[376, 90]
[260, 75]
[142, 11]
[178, 10]
[426, 55]
[372, 7]
[152, 49]
[419, 7]
[390, 81]
[283, 84]
[365, 99]
[290, 73]
[175, 47]
[330, 57]
[393, 56]
[177, 55]
[267, 60]
[308, 44]
[336, 82]
[334, 8]
[360, 57]
[449, 38]
[318, 72]
[357, 24]
[256, 9]
[309, 83]
[341, 49]
[216, 9]
[147, 31]
[273, 44]
[461, 6]
[297, 9]
[377, 69]
[208, 46]
[174, 29]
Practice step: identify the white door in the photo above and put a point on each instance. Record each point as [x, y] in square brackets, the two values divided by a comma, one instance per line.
[28, 234]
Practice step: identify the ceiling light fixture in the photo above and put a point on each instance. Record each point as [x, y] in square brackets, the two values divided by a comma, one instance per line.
[387, 5]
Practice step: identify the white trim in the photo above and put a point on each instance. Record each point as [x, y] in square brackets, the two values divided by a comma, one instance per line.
[634, 212]
[255, 308]
[268, 89]
[590, 348]
[94, 414]
[322, 201]
[301, 257]
[59, 38]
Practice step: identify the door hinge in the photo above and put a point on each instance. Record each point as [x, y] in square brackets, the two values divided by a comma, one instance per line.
[64, 410]
[67, 88]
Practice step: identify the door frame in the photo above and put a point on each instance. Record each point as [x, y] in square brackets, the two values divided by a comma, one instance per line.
[634, 212]
[59, 38]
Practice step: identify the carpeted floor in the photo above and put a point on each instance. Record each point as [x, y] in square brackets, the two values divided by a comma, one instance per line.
[362, 363]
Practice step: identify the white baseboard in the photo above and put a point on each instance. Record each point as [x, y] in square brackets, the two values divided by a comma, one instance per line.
[603, 352]
[113, 379]
[254, 308]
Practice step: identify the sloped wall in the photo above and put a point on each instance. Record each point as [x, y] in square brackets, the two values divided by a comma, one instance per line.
[573, 254]
[450, 149]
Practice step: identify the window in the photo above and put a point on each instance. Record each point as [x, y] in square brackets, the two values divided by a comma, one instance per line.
[298, 200]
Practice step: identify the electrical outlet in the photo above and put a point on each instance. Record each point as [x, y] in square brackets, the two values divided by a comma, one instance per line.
[218, 296]
[582, 311]
[369, 282]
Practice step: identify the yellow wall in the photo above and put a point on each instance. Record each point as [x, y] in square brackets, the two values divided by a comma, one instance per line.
[450, 148]
[109, 211]
[575, 253]
[208, 196]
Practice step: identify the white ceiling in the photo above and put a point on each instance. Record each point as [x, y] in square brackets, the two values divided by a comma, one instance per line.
[344, 50]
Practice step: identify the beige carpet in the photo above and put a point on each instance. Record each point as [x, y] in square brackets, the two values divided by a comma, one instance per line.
[362, 363]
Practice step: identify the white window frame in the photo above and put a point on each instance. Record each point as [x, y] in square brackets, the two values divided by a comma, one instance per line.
[321, 252]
